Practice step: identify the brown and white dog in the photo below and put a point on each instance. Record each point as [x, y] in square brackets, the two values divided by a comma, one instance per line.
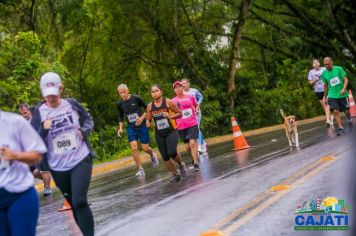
[290, 125]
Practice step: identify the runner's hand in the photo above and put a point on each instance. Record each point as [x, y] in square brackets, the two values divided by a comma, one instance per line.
[342, 91]
[325, 101]
[165, 114]
[47, 124]
[7, 154]
[148, 123]
[138, 121]
[119, 133]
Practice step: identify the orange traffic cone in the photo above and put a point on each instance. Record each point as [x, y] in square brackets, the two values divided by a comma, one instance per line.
[239, 140]
[352, 105]
[66, 206]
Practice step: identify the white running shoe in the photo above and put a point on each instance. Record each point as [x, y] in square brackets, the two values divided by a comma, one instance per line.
[47, 191]
[140, 172]
[204, 147]
[154, 159]
[200, 148]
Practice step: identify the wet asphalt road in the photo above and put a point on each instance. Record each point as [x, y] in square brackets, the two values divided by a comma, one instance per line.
[125, 205]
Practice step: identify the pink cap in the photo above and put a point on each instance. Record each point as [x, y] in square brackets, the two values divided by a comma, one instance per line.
[177, 83]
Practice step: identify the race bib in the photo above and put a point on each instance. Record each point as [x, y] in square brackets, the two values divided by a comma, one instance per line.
[132, 117]
[3, 164]
[187, 113]
[162, 124]
[64, 143]
[335, 81]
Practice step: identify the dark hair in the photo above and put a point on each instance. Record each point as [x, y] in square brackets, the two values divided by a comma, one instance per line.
[24, 105]
[156, 85]
[315, 59]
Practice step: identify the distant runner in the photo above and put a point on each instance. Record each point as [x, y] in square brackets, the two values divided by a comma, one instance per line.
[131, 107]
[199, 97]
[187, 124]
[41, 169]
[164, 111]
[335, 92]
[20, 146]
[314, 78]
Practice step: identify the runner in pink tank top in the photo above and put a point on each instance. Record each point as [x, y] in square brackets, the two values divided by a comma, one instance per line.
[187, 125]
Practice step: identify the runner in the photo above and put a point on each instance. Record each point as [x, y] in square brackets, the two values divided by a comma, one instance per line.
[20, 146]
[314, 78]
[335, 93]
[199, 97]
[187, 124]
[41, 169]
[131, 106]
[164, 111]
[65, 125]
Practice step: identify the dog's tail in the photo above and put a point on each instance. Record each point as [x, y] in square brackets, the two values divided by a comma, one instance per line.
[282, 113]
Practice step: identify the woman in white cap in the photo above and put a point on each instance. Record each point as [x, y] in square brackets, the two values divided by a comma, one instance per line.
[64, 125]
[20, 146]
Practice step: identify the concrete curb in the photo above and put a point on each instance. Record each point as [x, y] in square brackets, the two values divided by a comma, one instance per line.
[104, 168]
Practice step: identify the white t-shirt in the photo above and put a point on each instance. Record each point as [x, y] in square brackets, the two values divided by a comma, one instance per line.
[18, 135]
[65, 146]
[319, 85]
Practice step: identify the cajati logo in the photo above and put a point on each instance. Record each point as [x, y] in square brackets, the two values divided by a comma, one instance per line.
[327, 214]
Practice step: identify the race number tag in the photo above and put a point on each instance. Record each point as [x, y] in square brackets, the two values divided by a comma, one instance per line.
[132, 117]
[64, 143]
[162, 124]
[3, 164]
[187, 113]
[335, 81]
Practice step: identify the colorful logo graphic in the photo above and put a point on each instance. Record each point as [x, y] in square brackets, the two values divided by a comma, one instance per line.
[328, 214]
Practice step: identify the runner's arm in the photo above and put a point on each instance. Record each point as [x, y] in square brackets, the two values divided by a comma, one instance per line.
[198, 96]
[173, 107]
[121, 117]
[311, 80]
[346, 82]
[30, 157]
[88, 124]
[148, 115]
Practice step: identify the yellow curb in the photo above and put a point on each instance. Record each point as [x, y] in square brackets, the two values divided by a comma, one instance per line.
[327, 158]
[280, 188]
[212, 233]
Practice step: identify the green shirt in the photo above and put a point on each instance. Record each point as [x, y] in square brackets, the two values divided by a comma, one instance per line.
[335, 82]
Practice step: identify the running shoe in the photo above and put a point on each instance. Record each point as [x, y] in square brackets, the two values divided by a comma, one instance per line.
[340, 131]
[140, 172]
[204, 147]
[196, 167]
[200, 148]
[154, 159]
[175, 178]
[328, 125]
[183, 169]
[47, 191]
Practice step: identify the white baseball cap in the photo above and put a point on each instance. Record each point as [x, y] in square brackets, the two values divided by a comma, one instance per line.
[50, 84]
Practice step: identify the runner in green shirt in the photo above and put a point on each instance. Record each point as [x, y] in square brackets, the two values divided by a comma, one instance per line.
[335, 93]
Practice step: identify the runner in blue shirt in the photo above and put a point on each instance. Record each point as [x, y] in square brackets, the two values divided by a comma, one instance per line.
[199, 97]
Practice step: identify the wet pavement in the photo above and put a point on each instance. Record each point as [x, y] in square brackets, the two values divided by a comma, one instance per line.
[125, 205]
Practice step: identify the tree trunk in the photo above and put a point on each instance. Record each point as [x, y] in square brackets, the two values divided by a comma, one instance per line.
[234, 56]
